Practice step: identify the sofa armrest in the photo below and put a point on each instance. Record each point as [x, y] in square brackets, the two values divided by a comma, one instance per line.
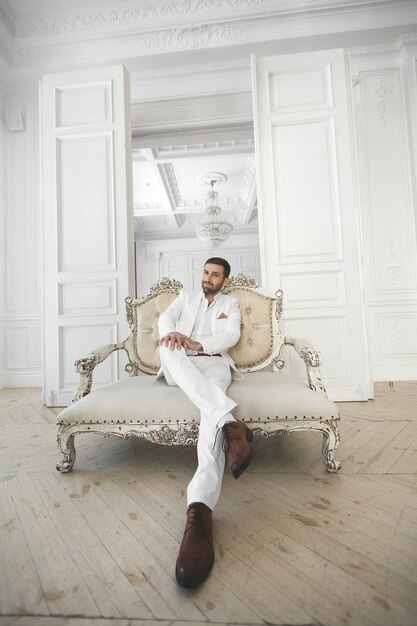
[312, 359]
[85, 366]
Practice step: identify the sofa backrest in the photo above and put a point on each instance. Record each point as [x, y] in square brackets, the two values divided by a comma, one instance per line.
[260, 342]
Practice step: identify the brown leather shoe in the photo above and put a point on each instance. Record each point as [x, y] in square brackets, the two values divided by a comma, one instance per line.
[196, 555]
[236, 438]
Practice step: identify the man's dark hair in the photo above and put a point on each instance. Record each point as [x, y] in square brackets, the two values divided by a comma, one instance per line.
[219, 261]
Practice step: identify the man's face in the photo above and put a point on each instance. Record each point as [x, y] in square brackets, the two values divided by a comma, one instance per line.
[213, 278]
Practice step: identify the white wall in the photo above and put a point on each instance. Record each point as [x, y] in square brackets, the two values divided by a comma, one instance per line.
[390, 268]
[21, 285]
[183, 260]
[385, 114]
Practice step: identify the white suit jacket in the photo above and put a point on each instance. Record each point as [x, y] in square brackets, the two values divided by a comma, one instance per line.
[182, 312]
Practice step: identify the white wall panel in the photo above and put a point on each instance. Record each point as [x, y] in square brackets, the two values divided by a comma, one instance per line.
[291, 91]
[88, 222]
[17, 346]
[73, 341]
[336, 370]
[306, 185]
[37, 346]
[175, 266]
[78, 105]
[249, 264]
[87, 298]
[396, 334]
[313, 289]
[86, 203]
[388, 208]
[21, 292]
[183, 259]
[16, 220]
[382, 83]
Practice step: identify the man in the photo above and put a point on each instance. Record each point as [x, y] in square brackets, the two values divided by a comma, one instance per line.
[196, 332]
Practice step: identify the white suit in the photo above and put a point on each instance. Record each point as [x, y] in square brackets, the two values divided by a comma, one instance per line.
[204, 379]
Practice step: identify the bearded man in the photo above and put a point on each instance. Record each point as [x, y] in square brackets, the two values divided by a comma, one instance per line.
[196, 332]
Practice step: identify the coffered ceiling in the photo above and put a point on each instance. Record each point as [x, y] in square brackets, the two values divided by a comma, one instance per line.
[170, 198]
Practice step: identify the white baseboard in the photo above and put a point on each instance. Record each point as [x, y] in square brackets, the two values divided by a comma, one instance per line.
[21, 380]
[394, 372]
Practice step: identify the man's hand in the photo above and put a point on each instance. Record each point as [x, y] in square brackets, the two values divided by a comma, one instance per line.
[177, 340]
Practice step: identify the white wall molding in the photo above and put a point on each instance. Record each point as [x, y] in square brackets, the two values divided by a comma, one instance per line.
[382, 85]
[49, 42]
[371, 52]
[382, 143]
[20, 379]
[207, 112]
[184, 258]
[20, 314]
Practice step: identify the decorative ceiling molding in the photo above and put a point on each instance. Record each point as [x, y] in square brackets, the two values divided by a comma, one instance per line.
[229, 203]
[249, 182]
[53, 38]
[133, 15]
[170, 181]
[193, 36]
[146, 209]
[243, 146]
[192, 112]
[403, 42]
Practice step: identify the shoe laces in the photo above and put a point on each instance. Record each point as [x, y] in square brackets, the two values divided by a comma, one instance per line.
[195, 518]
[228, 431]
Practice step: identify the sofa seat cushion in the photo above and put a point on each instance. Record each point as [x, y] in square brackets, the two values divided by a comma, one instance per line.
[146, 400]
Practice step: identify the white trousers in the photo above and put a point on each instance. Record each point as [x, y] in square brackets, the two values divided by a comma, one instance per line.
[204, 379]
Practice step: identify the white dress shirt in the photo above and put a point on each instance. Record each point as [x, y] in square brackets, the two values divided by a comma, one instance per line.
[203, 322]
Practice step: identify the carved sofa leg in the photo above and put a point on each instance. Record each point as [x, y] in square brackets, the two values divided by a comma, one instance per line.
[331, 440]
[66, 443]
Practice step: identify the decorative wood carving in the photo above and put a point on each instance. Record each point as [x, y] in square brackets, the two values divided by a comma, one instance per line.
[381, 87]
[241, 280]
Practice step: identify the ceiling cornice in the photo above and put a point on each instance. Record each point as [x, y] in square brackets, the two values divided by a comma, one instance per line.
[140, 16]
[160, 12]
[59, 41]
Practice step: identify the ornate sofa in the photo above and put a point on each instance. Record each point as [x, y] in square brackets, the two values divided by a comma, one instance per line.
[269, 401]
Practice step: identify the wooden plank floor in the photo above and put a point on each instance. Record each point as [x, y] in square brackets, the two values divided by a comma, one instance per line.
[294, 545]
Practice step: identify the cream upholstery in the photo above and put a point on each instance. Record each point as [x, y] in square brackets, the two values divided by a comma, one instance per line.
[144, 329]
[268, 400]
[260, 396]
[256, 341]
[253, 348]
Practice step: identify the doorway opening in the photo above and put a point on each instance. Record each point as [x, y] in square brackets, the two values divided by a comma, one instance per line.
[170, 201]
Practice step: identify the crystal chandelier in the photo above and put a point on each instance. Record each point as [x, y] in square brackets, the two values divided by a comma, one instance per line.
[213, 231]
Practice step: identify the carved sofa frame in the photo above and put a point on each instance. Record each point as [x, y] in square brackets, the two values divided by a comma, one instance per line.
[269, 401]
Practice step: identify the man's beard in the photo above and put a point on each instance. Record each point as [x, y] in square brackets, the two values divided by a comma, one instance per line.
[210, 289]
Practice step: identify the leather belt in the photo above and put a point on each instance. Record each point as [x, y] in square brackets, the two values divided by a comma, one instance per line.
[204, 354]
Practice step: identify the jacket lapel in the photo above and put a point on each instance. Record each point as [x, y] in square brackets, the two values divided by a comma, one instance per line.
[189, 314]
